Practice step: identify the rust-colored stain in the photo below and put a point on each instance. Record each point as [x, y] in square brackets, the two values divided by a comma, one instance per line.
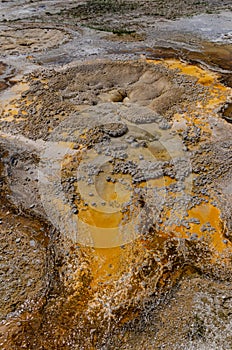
[96, 218]
[208, 226]
[209, 215]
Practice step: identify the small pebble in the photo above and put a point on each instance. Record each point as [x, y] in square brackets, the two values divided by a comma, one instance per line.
[32, 243]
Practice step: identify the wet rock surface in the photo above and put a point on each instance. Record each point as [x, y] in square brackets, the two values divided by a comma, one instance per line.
[23, 262]
[192, 326]
[115, 175]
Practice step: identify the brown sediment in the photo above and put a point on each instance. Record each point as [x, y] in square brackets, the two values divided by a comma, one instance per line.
[2, 68]
[227, 113]
[30, 38]
[23, 257]
[218, 56]
[3, 86]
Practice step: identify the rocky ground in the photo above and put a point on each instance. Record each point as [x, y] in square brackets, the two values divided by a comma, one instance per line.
[115, 175]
